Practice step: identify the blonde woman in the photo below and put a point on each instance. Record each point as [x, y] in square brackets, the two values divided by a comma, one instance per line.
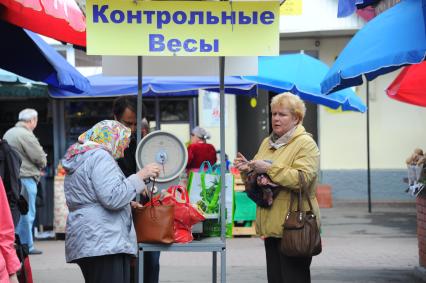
[288, 150]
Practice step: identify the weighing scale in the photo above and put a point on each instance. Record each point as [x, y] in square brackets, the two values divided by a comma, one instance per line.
[166, 150]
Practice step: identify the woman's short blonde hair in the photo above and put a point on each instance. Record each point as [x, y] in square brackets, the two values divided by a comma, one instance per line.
[292, 102]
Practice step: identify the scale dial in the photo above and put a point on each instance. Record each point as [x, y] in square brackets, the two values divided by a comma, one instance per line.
[164, 149]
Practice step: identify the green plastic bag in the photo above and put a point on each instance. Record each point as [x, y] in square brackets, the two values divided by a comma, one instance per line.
[204, 190]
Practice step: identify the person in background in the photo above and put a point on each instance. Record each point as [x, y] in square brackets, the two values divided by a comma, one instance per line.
[288, 150]
[199, 150]
[415, 166]
[10, 165]
[145, 127]
[124, 110]
[100, 236]
[22, 139]
[9, 261]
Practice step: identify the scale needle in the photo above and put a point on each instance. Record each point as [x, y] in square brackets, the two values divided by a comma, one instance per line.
[164, 172]
[163, 160]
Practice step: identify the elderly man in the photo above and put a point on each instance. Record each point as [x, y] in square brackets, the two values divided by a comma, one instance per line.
[23, 140]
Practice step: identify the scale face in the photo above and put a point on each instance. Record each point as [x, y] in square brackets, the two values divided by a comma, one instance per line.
[164, 149]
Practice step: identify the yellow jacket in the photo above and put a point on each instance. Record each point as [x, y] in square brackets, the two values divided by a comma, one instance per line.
[300, 153]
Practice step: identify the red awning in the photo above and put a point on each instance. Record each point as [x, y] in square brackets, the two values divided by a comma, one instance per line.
[410, 85]
[60, 19]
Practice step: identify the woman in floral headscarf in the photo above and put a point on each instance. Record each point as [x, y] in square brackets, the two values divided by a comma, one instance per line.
[100, 236]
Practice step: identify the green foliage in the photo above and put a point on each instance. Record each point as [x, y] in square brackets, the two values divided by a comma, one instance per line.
[208, 197]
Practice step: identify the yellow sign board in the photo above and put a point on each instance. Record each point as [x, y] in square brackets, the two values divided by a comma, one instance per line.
[182, 28]
[291, 8]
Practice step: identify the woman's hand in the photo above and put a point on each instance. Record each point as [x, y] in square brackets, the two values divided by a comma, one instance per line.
[259, 166]
[241, 163]
[151, 170]
[135, 204]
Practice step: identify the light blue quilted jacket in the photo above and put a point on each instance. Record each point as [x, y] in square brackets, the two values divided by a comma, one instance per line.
[98, 196]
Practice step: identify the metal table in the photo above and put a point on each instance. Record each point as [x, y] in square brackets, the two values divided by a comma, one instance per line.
[213, 244]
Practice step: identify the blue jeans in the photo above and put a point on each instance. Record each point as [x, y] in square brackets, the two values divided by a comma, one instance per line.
[25, 225]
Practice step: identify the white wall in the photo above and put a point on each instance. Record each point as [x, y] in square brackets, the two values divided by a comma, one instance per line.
[342, 136]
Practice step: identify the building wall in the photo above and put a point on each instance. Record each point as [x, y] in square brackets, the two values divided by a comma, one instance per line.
[230, 125]
[318, 16]
[421, 227]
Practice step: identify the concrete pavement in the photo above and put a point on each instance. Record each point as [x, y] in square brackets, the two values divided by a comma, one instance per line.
[357, 247]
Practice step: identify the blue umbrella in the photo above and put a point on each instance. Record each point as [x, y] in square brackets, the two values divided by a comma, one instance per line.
[102, 86]
[12, 85]
[301, 74]
[395, 38]
[26, 54]
[9, 77]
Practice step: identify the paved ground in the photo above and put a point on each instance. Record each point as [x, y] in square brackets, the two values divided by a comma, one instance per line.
[357, 247]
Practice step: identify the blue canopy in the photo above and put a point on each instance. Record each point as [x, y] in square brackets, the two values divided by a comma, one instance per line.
[26, 54]
[102, 86]
[395, 38]
[301, 74]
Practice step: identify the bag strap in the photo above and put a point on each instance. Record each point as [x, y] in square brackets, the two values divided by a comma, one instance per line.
[151, 191]
[303, 187]
[291, 201]
[299, 197]
[183, 194]
[203, 166]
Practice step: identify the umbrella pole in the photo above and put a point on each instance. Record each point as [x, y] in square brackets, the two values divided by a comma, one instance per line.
[368, 147]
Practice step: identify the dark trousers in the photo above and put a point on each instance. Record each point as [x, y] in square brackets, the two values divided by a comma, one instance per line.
[285, 269]
[106, 269]
[151, 268]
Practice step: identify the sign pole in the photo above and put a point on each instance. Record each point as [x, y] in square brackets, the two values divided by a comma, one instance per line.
[222, 166]
[139, 103]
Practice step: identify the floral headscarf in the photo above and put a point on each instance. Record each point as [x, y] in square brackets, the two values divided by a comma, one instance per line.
[110, 135]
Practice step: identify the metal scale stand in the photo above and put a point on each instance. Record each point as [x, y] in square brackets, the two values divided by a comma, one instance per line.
[150, 150]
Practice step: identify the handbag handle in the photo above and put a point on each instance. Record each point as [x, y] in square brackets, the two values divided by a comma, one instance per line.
[209, 167]
[216, 169]
[183, 194]
[151, 191]
[302, 189]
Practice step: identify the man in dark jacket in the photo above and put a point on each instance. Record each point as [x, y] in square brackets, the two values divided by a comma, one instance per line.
[124, 110]
[10, 164]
